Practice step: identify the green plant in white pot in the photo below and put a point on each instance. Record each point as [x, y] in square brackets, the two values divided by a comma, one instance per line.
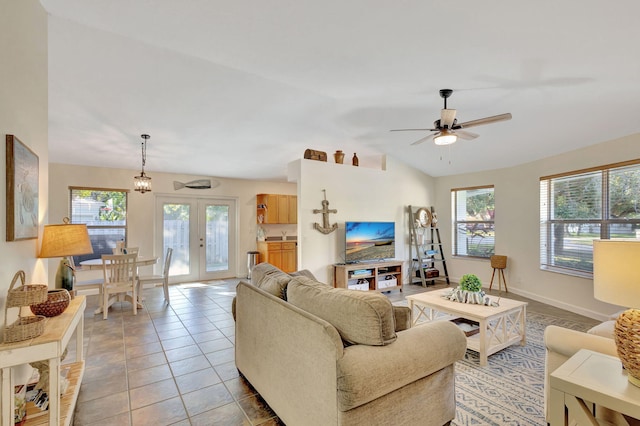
[470, 282]
[469, 290]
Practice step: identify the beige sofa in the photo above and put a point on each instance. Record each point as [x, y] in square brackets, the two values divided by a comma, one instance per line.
[328, 356]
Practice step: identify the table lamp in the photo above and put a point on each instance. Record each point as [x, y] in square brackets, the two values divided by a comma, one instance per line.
[62, 241]
[616, 280]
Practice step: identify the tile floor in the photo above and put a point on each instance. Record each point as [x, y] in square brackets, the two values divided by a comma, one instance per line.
[174, 364]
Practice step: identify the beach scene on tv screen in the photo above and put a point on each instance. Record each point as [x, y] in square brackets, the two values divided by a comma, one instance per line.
[370, 241]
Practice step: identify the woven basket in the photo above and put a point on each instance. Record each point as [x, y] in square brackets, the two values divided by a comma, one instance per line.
[25, 295]
[56, 303]
[627, 335]
[24, 328]
[498, 262]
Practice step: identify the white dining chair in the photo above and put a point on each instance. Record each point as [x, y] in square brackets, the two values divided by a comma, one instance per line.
[120, 272]
[93, 286]
[158, 279]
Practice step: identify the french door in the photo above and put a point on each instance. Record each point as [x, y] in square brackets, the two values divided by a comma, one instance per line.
[202, 234]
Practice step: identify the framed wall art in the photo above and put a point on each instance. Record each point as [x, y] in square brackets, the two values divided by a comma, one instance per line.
[22, 191]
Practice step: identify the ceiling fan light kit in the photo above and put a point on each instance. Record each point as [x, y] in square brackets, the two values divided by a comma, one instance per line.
[445, 138]
[447, 130]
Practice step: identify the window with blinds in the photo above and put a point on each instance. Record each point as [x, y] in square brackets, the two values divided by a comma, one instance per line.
[578, 207]
[473, 221]
[104, 211]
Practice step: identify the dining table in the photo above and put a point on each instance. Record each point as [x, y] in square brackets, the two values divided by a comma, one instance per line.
[95, 264]
[92, 264]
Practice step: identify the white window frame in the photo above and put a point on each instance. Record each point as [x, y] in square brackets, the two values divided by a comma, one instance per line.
[549, 256]
[459, 242]
[92, 227]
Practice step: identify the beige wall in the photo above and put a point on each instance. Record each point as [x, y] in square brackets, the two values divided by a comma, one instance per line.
[395, 188]
[517, 224]
[23, 113]
[358, 194]
[141, 207]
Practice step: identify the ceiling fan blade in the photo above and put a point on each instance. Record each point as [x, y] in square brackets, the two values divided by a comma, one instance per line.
[426, 138]
[413, 130]
[481, 121]
[462, 134]
[447, 117]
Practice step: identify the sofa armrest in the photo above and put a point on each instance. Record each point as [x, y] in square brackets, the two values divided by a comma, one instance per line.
[402, 315]
[566, 342]
[369, 372]
[288, 355]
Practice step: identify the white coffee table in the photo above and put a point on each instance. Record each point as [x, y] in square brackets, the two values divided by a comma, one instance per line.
[593, 377]
[499, 326]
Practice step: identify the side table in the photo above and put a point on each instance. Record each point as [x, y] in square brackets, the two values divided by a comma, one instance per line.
[590, 378]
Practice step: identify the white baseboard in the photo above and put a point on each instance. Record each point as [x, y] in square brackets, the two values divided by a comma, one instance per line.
[566, 306]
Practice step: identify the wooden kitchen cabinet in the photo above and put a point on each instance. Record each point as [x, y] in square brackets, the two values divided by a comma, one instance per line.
[267, 207]
[281, 254]
[293, 208]
[277, 208]
[289, 257]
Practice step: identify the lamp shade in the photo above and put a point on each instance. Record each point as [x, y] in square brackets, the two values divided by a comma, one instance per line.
[616, 273]
[65, 240]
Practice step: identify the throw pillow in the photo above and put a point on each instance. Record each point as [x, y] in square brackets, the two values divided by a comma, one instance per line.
[275, 284]
[604, 329]
[360, 317]
[270, 279]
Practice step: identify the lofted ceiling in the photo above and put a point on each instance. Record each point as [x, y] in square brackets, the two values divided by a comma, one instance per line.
[240, 88]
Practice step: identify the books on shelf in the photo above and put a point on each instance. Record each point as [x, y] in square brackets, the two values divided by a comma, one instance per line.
[39, 398]
[469, 327]
[361, 273]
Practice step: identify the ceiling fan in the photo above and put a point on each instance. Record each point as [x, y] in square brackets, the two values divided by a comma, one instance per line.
[447, 130]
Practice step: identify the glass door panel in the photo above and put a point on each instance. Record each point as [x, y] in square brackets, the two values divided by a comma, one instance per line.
[176, 234]
[202, 234]
[217, 237]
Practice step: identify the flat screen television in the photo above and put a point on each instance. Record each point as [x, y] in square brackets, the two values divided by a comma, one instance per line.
[369, 241]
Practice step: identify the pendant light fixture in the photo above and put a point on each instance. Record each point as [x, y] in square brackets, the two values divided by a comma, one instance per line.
[142, 183]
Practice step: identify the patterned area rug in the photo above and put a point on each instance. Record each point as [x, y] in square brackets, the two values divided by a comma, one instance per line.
[509, 390]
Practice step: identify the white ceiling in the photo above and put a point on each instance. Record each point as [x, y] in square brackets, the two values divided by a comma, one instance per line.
[240, 88]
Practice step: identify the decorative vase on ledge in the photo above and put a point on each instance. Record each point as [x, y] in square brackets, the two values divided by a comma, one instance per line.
[338, 156]
[355, 160]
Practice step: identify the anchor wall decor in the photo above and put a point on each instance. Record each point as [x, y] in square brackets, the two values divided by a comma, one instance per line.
[325, 228]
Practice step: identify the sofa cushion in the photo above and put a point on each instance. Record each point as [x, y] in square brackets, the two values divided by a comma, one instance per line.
[303, 273]
[604, 329]
[402, 317]
[270, 279]
[275, 284]
[360, 317]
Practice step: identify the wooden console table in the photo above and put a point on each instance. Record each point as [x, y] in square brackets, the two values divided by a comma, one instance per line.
[49, 346]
